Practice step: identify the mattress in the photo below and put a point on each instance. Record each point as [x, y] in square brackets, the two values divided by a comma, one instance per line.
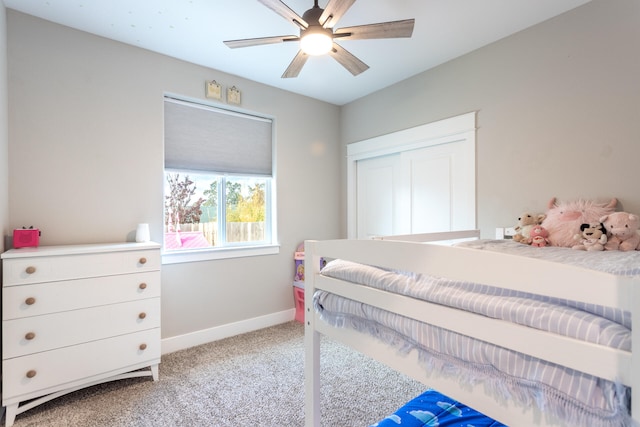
[574, 396]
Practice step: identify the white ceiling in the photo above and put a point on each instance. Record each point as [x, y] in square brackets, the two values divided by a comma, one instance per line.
[193, 30]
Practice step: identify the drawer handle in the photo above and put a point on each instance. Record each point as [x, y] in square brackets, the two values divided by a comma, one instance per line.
[30, 301]
[143, 286]
[29, 336]
[143, 260]
[142, 315]
[143, 346]
[30, 270]
[32, 373]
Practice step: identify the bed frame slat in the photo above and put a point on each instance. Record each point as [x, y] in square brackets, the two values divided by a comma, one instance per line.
[489, 268]
[597, 360]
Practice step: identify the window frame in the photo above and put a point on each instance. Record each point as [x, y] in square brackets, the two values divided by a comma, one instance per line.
[270, 246]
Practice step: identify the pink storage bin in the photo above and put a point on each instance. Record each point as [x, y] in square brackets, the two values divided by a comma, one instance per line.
[298, 296]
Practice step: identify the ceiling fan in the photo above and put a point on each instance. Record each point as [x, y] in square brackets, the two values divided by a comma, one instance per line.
[317, 36]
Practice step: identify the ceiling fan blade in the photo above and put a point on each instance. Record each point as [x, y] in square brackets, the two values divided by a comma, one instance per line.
[383, 30]
[285, 11]
[296, 65]
[348, 60]
[233, 44]
[334, 11]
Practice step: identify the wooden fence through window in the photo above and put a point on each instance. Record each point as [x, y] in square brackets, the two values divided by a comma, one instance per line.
[236, 231]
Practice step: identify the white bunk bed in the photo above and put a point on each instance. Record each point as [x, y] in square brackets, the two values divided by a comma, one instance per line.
[478, 266]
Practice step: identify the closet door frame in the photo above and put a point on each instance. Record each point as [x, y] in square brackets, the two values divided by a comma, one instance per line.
[460, 128]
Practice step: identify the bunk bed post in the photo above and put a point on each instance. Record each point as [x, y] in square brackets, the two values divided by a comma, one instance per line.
[635, 353]
[311, 338]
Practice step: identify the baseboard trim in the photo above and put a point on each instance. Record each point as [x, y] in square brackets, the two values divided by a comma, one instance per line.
[192, 339]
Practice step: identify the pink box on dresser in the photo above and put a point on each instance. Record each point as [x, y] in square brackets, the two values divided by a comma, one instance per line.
[26, 238]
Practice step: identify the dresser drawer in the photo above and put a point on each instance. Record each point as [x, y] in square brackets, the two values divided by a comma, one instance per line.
[54, 370]
[42, 333]
[37, 269]
[52, 297]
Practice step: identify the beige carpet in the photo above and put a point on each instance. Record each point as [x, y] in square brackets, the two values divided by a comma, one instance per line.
[255, 379]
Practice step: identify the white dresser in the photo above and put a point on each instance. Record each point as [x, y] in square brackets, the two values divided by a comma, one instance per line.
[75, 316]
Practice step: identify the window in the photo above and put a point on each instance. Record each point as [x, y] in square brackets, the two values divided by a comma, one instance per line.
[218, 183]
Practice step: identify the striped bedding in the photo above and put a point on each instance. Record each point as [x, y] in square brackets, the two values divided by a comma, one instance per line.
[576, 397]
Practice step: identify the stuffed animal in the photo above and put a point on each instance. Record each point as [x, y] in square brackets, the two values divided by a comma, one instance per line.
[623, 231]
[564, 219]
[592, 237]
[526, 222]
[539, 236]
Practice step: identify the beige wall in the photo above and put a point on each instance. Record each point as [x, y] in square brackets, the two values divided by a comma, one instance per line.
[86, 150]
[558, 111]
[558, 115]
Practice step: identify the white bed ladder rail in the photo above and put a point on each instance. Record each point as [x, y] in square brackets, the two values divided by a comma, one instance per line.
[311, 340]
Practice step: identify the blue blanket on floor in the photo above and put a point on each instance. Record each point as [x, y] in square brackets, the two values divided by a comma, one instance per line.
[432, 409]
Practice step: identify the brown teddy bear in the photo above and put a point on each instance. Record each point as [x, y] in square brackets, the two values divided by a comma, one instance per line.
[526, 222]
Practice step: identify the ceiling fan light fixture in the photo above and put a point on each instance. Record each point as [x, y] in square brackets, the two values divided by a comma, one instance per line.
[316, 40]
[317, 35]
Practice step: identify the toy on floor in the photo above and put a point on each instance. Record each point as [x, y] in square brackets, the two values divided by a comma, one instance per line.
[592, 237]
[564, 219]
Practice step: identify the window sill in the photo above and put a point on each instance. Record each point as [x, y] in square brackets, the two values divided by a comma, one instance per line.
[214, 254]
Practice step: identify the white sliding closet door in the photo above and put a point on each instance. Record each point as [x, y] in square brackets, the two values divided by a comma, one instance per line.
[427, 176]
[414, 181]
[377, 194]
[441, 187]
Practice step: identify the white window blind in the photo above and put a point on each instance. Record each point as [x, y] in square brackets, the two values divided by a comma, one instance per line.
[204, 138]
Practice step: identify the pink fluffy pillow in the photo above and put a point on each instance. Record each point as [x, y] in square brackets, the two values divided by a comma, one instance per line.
[563, 220]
